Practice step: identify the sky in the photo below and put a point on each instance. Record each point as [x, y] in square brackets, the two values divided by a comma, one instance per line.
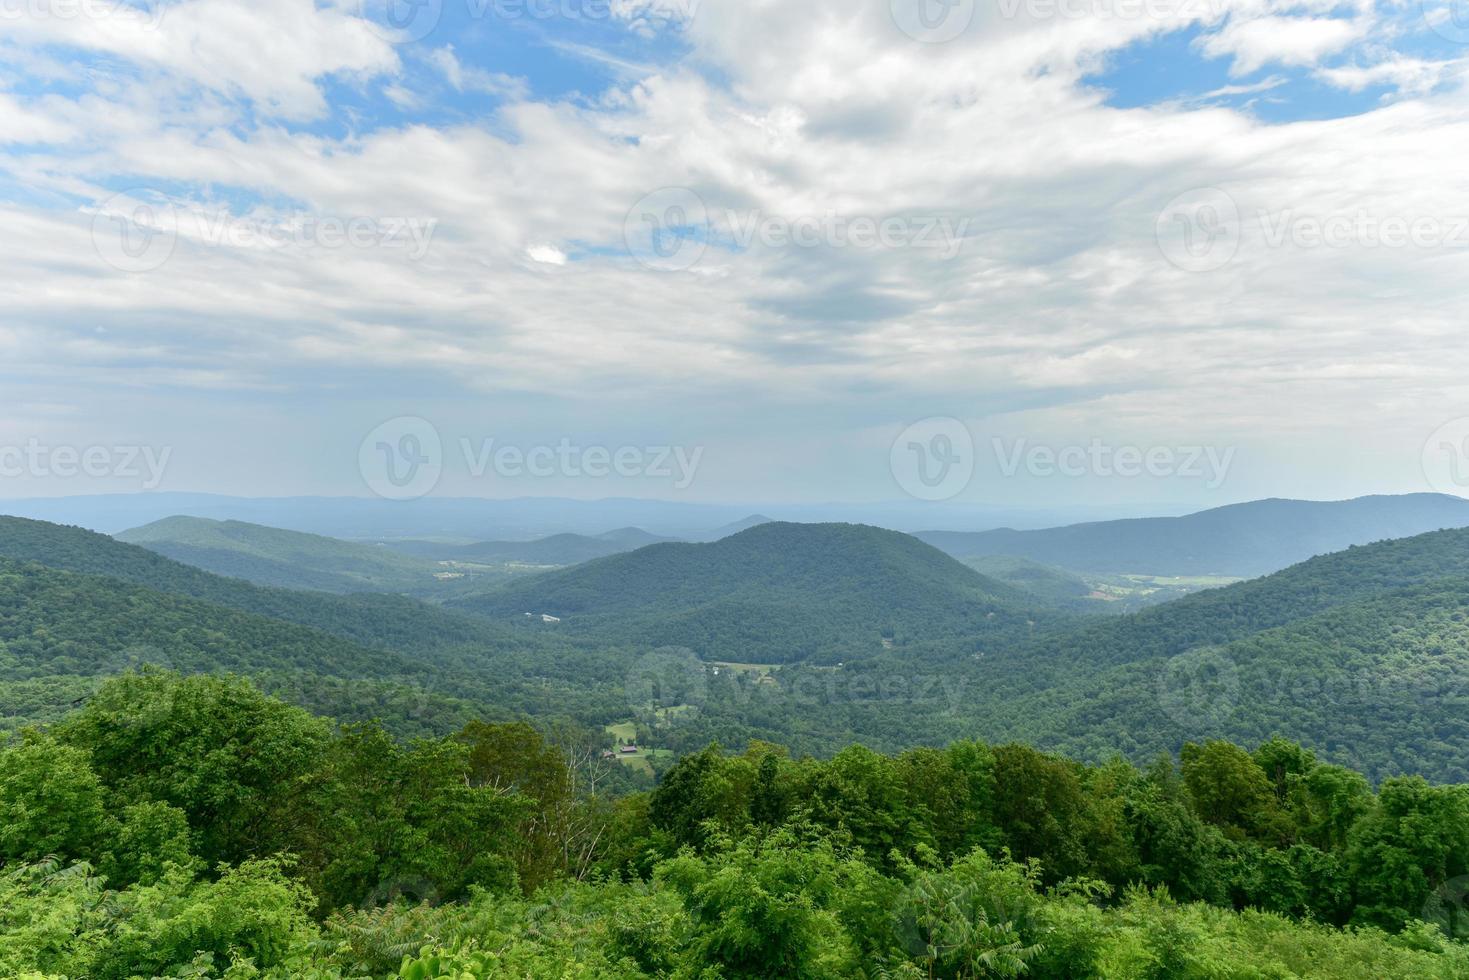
[1102, 253]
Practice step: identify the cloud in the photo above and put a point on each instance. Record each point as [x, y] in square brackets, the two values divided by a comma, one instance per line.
[468, 79]
[272, 52]
[1292, 41]
[1058, 308]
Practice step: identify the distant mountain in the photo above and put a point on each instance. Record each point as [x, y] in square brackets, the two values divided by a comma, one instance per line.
[466, 519]
[555, 551]
[719, 533]
[774, 593]
[1046, 582]
[286, 559]
[1242, 540]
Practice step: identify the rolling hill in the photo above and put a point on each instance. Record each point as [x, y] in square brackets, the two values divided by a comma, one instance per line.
[285, 559]
[774, 593]
[1241, 541]
[76, 605]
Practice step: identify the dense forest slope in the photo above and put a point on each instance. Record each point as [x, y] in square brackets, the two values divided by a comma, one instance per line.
[286, 559]
[417, 666]
[775, 593]
[1362, 655]
[1242, 540]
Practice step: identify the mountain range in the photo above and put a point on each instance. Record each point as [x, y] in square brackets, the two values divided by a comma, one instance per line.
[836, 633]
[773, 593]
[1242, 540]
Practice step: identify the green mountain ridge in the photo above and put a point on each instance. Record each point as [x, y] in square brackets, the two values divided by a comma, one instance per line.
[775, 593]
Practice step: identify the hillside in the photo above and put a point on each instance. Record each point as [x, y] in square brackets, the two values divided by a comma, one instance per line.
[1241, 541]
[775, 593]
[285, 559]
[1362, 655]
[387, 621]
[417, 666]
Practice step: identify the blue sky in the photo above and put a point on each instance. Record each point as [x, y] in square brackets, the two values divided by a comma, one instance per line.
[788, 235]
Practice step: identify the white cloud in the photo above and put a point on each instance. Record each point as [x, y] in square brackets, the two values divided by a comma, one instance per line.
[273, 52]
[1291, 41]
[546, 254]
[469, 79]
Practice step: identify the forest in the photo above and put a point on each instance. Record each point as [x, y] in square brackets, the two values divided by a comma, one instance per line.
[194, 826]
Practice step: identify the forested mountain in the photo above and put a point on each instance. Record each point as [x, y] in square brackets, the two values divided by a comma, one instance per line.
[559, 549]
[1361, 655]
[1045, 582]
[286, 559]
[776, 593]
[1242, 540]
[417, 666]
